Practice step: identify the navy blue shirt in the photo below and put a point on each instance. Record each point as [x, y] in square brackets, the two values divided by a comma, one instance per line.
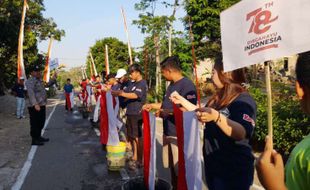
[121, 86]
[134, 106]
[68, 88]
[19, 90]
[225, 157]
[185, 88]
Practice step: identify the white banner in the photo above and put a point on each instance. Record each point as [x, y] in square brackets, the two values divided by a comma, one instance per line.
[54, 64]
[254, 31]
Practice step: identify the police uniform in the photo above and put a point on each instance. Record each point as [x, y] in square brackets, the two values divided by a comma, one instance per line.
[37, 96]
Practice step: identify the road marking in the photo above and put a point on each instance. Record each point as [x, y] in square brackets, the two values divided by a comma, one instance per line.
[27, 165]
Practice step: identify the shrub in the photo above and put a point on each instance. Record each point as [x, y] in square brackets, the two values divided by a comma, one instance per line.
[290, 124]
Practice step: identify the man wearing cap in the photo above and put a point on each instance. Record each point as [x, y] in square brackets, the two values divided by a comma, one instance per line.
[19, 91]
[37, 99]
[123, 83]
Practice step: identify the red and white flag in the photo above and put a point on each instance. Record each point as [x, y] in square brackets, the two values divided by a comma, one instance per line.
[149, 146]
[69, 100]
[189, 173]
[109, 122]
[20, 58]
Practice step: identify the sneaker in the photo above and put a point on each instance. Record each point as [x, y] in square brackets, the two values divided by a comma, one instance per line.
[37, 143]
[42, 139]
[23, 117]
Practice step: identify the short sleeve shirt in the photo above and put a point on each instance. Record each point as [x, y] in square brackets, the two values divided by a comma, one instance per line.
[297, 169]
[185, 88]
[224, 156]
[20, 90]
[68, 88]
[134, 106]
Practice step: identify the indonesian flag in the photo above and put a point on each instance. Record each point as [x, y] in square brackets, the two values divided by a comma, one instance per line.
[69, 100]
[46, 75]
[149, 146]
[20, 59]
[189, 174]
[109, 122]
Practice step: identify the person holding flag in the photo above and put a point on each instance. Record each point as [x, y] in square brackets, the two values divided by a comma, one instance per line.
[135, 94]
[270, 166]
[69, 95]
[229, 118]
[171, 70]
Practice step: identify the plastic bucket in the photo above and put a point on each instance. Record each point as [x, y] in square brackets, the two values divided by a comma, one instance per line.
[138, 184]
[116, 156]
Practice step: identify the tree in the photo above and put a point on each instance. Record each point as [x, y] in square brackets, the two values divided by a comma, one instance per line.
[118, 55]
[36, 28]
[205, 17]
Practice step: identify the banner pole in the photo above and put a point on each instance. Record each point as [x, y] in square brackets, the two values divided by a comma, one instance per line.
[269, 98]
[127, 34]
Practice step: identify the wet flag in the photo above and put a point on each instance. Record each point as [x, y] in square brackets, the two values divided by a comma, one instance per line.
[189, 173]
[149, 146]
[109, 122]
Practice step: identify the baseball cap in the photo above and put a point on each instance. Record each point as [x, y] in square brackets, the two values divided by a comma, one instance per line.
[36, 68]
[120, 73]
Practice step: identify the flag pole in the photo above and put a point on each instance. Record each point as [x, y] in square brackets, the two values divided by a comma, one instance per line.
[46, 75]
[93, 64]
[20, 59]
[127, 34]
[269, 99]
[107, 65]
[195, 62]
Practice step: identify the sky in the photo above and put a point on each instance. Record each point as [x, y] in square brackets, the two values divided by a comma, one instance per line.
[86, 21]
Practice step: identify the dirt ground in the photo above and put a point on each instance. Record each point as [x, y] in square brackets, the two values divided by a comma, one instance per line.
[14, 139]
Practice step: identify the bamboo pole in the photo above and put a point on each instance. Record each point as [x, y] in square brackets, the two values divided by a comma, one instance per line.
[93, 66]
[46, 75]
[269, 99]
[195, 62]
[127, 34]
[107, 65]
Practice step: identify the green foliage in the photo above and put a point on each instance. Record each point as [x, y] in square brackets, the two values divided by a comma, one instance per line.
[118, 55]
[36, 27]
[205, 17]
[289, 122]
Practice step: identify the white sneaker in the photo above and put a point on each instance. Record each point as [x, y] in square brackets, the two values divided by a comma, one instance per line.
[23, 117]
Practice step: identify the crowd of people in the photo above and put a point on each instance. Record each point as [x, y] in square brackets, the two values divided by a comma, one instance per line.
[229, 118]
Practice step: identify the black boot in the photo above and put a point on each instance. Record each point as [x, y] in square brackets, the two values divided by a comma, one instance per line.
[37, 142]
[42, 139]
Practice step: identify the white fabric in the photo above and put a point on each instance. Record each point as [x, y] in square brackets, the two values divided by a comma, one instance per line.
[97, 108]
[114, 123]
[289, 19]
[152, 167]
[192, 151]
[89, 93]
[72, 99]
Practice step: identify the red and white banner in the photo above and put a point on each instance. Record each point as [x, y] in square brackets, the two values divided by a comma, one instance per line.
[20, 57]
[189, 173]
[149, 149]
[109, 122]
[254, 31]
[69, 100]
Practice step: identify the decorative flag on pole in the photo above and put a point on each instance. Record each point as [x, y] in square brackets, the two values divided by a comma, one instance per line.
[149, 146]
[93, 66]
[107, 65]
[20, 59]
[69, 100]
[189, 173]
[127, 34]
[46, 75]
[109, 123]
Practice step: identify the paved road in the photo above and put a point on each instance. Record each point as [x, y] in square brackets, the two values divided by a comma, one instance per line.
[74, 160]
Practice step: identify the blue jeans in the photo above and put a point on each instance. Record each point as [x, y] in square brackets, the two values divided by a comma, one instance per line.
[20, 106]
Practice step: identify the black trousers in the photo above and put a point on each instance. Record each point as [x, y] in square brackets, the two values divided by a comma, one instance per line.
[37, 121]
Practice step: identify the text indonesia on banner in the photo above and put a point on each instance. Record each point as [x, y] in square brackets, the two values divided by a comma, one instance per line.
[254, 31]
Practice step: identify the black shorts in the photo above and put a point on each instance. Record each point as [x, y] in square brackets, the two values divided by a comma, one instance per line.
[134, 126]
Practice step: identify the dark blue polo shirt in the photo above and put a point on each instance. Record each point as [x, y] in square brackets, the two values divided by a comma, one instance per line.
[134, 106]
[225, 157]
[185, 88]
[19, 89]
[121, 86]
[68, 88]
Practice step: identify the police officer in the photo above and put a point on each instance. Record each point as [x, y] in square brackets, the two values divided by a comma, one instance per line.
[37, 103]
